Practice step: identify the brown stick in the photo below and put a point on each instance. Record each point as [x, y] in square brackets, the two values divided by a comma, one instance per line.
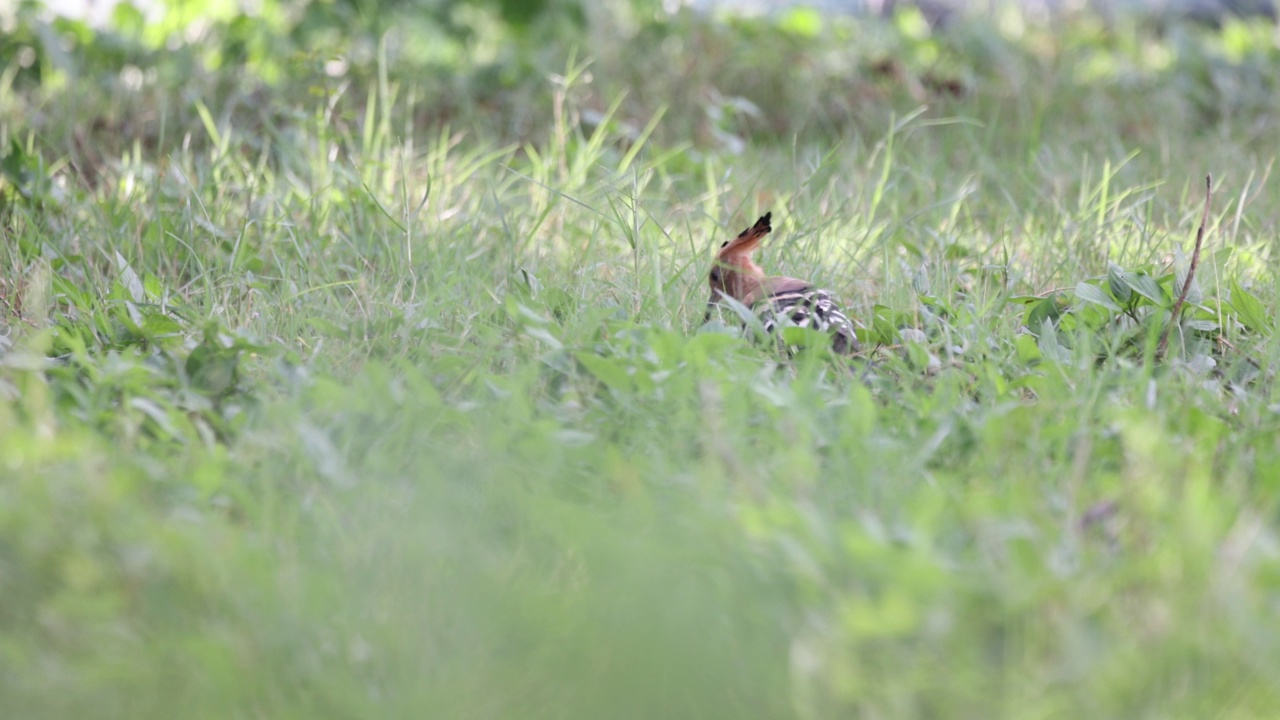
[1191, 269]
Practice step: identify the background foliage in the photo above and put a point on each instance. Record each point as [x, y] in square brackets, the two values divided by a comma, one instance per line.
[351, 364]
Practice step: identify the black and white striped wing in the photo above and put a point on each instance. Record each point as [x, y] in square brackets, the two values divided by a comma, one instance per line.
[812, 308]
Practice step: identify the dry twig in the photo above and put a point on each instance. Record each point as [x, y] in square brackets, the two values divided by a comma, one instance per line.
[1191, 269]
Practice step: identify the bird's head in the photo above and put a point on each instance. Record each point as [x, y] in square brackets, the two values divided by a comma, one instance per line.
[733, 274]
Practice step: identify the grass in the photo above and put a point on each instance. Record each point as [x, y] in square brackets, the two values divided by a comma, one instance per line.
[322, 401]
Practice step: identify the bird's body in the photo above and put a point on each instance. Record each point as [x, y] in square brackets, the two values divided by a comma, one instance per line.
[811, 307]
[778, 301]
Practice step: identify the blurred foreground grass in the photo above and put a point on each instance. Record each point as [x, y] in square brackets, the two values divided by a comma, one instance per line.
[376, 388]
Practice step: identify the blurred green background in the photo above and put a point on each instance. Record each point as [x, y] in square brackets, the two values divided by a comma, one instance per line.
[351, 363]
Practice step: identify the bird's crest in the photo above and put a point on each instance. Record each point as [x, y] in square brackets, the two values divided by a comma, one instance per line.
[748, 240]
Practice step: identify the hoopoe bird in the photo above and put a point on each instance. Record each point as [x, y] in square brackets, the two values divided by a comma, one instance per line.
[775, 300]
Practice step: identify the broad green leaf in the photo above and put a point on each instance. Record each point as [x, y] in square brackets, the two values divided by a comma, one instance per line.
[14, 165]
[1089, 315]
[152, 287]
[918, 355]
[1119, 286]
[1147, 287]
[1249, 309]
[1049, 308]
[937, 303]
[607, 371]
[1096, 295]
[159, 415]
[543, 335]
[882, 330]
[523, 311]
[1222, 256]
[559, 303]
[156, 325]
[920, 282]
[1201, 325]
[1028, 348]
[252, 263]
[134, 316]
[1047, 342]
[212, 368]
[130, 279]
[744, 313]
[804, 337]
